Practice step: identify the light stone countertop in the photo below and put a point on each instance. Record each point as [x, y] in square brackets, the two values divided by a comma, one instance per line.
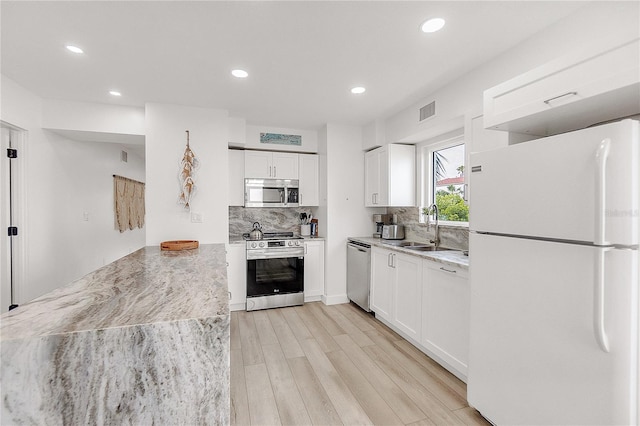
[446, 257]
[142, 340]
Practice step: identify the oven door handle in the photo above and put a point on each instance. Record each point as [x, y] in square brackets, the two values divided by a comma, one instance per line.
[275, 255]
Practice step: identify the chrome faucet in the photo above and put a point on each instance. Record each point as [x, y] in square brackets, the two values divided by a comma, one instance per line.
[433, 209]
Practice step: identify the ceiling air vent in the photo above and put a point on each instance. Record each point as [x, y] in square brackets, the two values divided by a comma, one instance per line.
[123, 156]
[428, 111]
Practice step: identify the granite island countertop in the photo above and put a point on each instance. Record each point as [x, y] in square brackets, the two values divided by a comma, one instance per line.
[446, 257]
[144, 339]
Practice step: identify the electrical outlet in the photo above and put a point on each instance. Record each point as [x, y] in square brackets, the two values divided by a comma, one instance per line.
[85, 216]
[196, 217]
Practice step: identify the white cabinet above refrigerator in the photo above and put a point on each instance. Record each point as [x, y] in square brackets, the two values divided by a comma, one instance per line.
[579, 89]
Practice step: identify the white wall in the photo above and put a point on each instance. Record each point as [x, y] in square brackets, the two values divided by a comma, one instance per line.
[62, 180]
[344, 213]
[165, 145]
[92, 117]
[463, 97]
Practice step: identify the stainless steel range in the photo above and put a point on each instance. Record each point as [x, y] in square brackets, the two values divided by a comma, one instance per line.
[275, 271]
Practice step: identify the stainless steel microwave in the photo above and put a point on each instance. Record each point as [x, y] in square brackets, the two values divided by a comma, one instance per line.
[271, 193]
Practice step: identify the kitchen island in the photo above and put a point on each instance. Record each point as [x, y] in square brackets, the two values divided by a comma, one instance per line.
[142, 340]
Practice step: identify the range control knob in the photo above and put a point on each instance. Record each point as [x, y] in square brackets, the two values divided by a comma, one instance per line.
[262, 244]
[254, 245]
[290, 243]
[298, 243]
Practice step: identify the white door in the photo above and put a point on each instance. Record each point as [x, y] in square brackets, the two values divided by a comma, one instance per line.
[382, 276]
[257, 164]
[313, 270]
[372, 178]
[309, 193]
[11, 248]
[285, 165]
[408, 294]
[236, 177]
[534, 355]
[237, 276]
[552, 186]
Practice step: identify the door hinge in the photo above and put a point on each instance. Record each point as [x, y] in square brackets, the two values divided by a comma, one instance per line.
[12, 153]
[12, 231]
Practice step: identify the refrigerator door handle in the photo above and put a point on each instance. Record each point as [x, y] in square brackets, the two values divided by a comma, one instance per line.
[598, 301]
[601, 159]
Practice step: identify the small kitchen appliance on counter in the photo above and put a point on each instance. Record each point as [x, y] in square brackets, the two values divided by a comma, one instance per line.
[393, 232]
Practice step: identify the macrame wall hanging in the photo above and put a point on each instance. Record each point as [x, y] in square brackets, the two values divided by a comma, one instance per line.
[128, 205]
[188, 166]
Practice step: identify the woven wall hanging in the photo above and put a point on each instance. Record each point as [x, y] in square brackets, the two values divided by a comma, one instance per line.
[188, 166]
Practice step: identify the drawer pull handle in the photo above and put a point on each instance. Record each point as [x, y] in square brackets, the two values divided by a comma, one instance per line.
[448, 270]
[548, 101]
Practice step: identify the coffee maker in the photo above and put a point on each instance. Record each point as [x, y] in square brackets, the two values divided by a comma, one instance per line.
[377, 218]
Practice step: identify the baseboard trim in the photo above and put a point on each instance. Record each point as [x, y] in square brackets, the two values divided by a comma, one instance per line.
[335, 300]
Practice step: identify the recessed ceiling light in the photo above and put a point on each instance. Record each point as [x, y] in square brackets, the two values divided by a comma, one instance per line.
[114, 93]
[74, 49]
[432, 25]
[358, 90]
[240, 73]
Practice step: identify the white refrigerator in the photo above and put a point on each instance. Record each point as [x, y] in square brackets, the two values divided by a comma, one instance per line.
[554, 279]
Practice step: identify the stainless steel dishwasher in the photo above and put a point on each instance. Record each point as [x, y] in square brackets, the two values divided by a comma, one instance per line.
[358, 273]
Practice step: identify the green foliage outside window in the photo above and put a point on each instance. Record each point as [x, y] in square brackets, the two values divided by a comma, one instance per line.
[451, 206]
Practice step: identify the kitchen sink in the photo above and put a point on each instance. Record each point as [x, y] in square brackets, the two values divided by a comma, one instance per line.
[406, 244]
[427, 248]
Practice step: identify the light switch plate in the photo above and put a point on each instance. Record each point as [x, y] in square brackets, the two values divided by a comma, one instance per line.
[196, 217]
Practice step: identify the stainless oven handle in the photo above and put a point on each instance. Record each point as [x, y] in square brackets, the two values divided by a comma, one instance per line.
[259, 254]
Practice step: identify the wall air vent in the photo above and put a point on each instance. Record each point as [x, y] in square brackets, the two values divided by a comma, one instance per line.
[123, 156]
[428, 111]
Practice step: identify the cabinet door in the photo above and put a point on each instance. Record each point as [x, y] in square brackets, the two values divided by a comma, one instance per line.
[237, 275]
[382, 276]
[382, 197]
[285, 165]
[407, 297]
[236, 177]
[445, 327]
[372, 178]
[257, 164]
[309, 193]
[601, 84]
[313, 270]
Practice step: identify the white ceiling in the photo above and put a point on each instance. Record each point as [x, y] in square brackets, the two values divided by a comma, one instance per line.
[302, 56]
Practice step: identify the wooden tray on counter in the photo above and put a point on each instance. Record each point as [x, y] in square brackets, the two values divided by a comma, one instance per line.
[179, 245]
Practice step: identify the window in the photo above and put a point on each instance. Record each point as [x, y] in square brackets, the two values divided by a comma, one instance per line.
[443, 180]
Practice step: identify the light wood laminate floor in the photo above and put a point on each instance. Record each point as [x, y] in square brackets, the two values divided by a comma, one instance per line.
[332, 365]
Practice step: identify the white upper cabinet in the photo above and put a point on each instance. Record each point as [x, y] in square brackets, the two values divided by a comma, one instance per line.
[270, 165]
[309, 193]
[579, 89]
[390, 176]
[236, 177]
[285, 165]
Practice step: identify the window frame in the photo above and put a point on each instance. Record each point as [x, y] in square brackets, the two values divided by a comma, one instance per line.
[426, 173]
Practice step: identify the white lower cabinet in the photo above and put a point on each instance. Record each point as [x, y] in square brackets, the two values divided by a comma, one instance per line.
[396, 288]
[313, 270]
[445, 316]
[426, 302]
[382, 275]
[407, 294]
[237, 276]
